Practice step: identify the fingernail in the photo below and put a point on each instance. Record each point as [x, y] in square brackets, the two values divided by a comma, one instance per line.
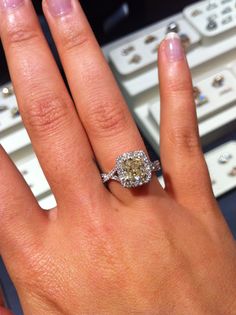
[59, 7]
[2, 300]
[11, 3]
[173, 47]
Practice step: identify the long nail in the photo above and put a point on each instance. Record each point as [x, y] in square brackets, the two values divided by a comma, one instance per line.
[59, 7]
[10, 4]
[173, 47]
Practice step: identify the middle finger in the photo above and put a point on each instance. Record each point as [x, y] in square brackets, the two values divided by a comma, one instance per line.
[48, 112]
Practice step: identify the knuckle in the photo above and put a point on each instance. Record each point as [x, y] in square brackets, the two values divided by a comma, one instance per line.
[106, 118]
[45, 114]
[180, 85]
[184, 140]
[17, 35]
[73, 38]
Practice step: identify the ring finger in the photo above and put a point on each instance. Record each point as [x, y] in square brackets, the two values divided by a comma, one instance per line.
[100, 105]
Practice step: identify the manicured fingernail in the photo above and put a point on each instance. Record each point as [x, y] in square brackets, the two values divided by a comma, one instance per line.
[59, 7]
[173, 47]
[11, 3]
[2, 302]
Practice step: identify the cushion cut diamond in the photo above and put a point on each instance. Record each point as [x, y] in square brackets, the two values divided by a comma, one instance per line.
[133, 169]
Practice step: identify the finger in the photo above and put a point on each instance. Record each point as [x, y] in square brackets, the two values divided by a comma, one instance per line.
[100, 105]
[185, 170]
[21, 218]
[48, 112]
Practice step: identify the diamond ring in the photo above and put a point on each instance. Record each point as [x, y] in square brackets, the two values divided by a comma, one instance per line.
[132, 169]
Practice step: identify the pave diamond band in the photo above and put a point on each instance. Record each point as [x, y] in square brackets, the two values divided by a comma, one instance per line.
[132, 169]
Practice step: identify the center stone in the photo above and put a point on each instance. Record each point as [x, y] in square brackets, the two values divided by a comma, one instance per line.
[134, 169]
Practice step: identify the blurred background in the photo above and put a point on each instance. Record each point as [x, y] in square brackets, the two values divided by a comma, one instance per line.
[129, 33]
[141, 14]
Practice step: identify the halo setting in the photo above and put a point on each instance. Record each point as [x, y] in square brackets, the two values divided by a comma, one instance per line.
[133, 169]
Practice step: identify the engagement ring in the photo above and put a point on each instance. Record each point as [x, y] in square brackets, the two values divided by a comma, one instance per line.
[132, 169]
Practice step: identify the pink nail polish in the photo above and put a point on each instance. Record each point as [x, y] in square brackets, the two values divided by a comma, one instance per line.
[59, 7]
[2, 299]
[11, 3]
[173, 47]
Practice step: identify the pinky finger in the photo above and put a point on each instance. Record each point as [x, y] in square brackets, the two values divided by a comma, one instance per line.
[185, 170]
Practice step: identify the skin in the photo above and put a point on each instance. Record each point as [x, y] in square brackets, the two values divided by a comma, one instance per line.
[106, 249]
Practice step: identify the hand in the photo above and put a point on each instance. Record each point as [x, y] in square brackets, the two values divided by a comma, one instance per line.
[106, 250]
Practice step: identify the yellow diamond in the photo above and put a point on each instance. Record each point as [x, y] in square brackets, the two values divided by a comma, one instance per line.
[134, 168]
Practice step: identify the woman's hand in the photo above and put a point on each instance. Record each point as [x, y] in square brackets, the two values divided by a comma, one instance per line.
[106, 250]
